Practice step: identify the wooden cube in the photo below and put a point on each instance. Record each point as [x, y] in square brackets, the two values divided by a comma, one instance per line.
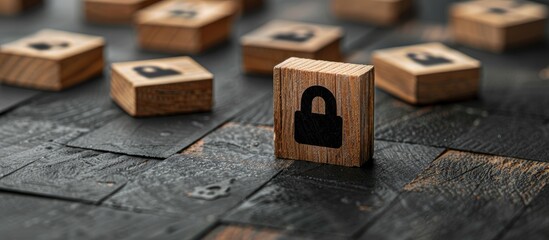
[323, 111]
[185, 26]
[12, 7]
[378, 12]
[498, 25]
[162, 87]
[279, 40]
[51, 60]
[427, 73]
[246, 5]
[114, 11]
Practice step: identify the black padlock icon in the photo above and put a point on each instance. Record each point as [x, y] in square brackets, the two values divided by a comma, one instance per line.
[324, 130]
[426, 59]
[44, 46]
[302, 34]
[155, 72]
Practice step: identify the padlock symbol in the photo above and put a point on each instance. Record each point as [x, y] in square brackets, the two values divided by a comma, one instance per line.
[324, 130]
[44, 46]
[302, 34]
[426, 59]
[155, 72]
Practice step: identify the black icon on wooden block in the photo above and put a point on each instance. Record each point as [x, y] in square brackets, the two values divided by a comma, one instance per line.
[183, 13]
[496, 10]
[296, 35]
[44, 46]
[155, 72]
[324, 130]
[426, 59]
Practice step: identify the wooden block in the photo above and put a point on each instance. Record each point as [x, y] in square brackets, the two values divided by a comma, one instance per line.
[114, 11]
[246, 5]
[51, 60]
[378, 12]
[498, 25]
[187, 26]
[162, 86]
[427, 73]
[12, 7]
[279, 40]
[323, 111]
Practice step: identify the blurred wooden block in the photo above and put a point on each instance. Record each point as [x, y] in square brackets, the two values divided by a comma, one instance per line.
[114, 11]
[185, 26]
[162, 86]
[279, 40]
[246, 5]
[51, 60]
[427, 73]
[378, 12]
[323, 111]
[12, 7]
[498, 25]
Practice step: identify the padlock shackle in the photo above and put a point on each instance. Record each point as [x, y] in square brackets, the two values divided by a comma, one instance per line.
[313, 92]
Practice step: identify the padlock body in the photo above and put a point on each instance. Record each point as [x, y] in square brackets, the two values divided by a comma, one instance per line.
[318, 129]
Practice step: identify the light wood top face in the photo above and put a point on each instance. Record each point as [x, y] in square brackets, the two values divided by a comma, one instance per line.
[427, 58]
[500, 13]
[295, 36]
[53, 44]
[186, 13]
[162, 71]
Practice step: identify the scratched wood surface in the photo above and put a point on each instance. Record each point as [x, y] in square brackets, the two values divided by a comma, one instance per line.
[73, 165]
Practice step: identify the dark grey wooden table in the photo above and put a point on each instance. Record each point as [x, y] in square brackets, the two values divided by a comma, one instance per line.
[74, 166]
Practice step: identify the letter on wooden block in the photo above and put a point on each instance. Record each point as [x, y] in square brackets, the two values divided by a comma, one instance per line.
[323, 111]
[279, 40]
[51, 60]
[162, 87]
[497, 25]
[427, 73]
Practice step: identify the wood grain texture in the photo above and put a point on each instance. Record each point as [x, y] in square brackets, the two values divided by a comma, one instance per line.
[228, 232]
[114, 11]
[11, 97]
[351, 86]
[279, 40]
[207, 23]
[498, 135]
[462, 195]
[498, 25]
[54, 219]
[432, 126]
[162, 87]
[57, 60]
[379, 12]
[413, 74]
[241, 153]
[533, 223]
[76, 174]
[333, 199]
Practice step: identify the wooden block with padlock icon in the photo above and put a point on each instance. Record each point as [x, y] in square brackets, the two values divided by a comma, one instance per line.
[51, 60]
[114, 11]
[427, 73]
[378, 12]
[12, 7]
[323, 111]
[185, 26]
[279, 40]
[498, 25]
[162, 87]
